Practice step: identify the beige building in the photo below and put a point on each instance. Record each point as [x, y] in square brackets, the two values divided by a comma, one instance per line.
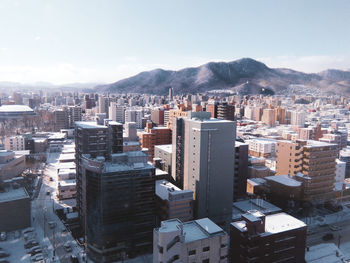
[14, 143]
[172, 202]
[11, 164]
[269, 117]
[200, 241]
[315, 160]
[67, 189]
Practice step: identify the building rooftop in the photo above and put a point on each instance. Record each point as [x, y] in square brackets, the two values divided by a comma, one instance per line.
[166, 147]
[89, 125]
[164, 189]
[242, 207]
[11, 194]
[67, 183]
[275, 223]
[284, 179]
[15, 108]
[192, 230]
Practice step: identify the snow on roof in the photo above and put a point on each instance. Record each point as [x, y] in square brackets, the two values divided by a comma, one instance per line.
[166, 147]
[71, 182]
[89, 125]
[284, 179]
[15, 108]
[242, 207]
[281, 222]
[164, 189]
[324, 253]
[13, 194]
[67, 156]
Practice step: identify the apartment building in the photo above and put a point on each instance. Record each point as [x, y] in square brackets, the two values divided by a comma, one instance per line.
[315, 160]
[14, 143]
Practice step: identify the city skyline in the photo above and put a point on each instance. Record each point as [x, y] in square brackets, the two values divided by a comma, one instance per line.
[64, 42]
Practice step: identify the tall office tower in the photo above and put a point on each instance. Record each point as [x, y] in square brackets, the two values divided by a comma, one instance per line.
[268, 117]
[74, 115]
[272, 238]
[98, 141]
[311, 162]
[195, 241]
[241, 170]
[116, 112]
[157, 116]
[120, 205]
[206, 148]
[103, 105]
[226, 111]
[61, 120]
[131, 131]
[171, 94]
[297, 118]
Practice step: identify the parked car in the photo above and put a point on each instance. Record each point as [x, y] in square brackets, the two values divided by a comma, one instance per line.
[48, 192]
[328, 236]
[3, 254]
[31, 243]
[28, 230]
[36, 258]
[51, 179]
[67, 247]
[52, 224]
[3, 236]
[36, 251]
[334, 228]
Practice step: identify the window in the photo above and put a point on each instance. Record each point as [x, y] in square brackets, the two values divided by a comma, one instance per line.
[192, 252]
[206, 260]
[206, 249]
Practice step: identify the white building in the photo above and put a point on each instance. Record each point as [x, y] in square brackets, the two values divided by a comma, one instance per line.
[117, 112]
[195, 241]
[132, 115]
[14, 143]
[298, 118]
[67, 189]
[340, 171]
[262, 147]
[248, 112]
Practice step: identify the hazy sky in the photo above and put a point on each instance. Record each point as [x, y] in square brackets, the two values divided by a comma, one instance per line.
[64, 41]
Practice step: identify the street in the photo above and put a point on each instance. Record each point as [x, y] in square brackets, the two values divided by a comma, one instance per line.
[43, 212]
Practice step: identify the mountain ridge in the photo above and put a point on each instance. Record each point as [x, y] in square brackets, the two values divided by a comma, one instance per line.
[245, 76]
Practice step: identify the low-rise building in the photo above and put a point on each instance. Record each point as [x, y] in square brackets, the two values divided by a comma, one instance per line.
[67, 189]
[273, 238]
[172, 202]
[195, 241]
[12, 164]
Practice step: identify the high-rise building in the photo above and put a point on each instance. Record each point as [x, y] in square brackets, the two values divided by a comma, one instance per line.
[195, 241]
[103, 105]
[74, 115]
[241, 170]
[268, 117]
[154, 136]
[226, 111]
[203, 161]
[117, 112]
[298, 118]
[272, 238]
[120, 205]
[98, 141]
[61, 120]
[315, 160]
[157, 116]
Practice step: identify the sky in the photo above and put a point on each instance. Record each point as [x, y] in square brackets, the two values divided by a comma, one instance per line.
[68, 41]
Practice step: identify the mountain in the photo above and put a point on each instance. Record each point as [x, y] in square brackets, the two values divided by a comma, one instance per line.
[245, 76]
